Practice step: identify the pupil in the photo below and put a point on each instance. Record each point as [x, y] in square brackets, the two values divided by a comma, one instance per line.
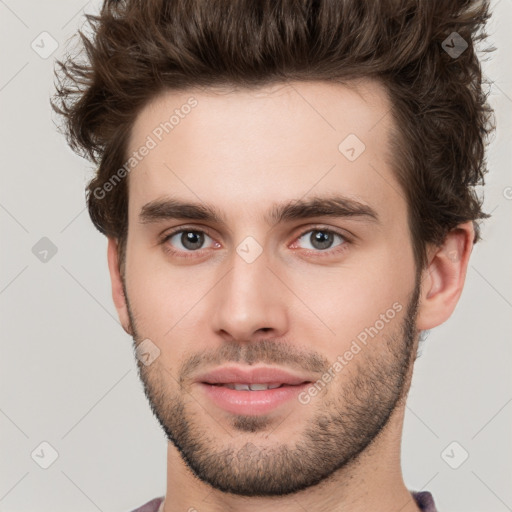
[321, 239]
[192, 239]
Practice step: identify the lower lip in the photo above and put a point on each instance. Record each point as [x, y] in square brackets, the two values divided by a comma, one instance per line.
[251, 402]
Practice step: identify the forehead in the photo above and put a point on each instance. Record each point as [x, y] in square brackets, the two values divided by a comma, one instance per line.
[247, 149]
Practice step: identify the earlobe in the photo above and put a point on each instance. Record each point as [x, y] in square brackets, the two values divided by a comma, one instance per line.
[117, 285]
[443, 280]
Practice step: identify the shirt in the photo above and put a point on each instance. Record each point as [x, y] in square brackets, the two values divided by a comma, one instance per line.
[423, 499]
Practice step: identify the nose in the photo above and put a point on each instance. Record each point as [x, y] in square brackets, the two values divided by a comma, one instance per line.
[250, 301]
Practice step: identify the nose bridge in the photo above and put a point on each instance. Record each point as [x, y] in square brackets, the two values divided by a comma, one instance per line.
[249, 297]
[248, 272]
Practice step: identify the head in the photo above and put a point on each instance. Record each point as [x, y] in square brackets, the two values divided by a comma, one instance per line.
[264, 128]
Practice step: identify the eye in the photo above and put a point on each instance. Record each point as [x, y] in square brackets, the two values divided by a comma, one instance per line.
[321, 240]
[185, 240]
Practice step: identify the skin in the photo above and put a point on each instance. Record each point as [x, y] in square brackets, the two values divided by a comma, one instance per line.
[297, 306]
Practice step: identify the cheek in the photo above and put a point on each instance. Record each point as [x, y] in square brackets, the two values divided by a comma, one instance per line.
[170, 302]
[152, 292]
[369, 295]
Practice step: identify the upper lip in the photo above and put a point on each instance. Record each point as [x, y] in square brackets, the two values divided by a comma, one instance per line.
[237, 375]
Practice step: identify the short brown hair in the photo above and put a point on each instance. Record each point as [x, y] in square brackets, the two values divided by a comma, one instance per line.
[141, 48]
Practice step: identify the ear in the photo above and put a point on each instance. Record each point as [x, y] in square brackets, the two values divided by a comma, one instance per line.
[443, 280]
[117, 285]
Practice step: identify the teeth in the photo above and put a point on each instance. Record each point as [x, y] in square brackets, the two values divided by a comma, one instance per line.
[252, 387]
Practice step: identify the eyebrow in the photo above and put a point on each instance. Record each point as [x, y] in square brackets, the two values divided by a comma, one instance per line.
[333, 206]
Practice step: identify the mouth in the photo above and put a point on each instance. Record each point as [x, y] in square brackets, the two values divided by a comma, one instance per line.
[252, 390]
[252, 386]
[252, 399]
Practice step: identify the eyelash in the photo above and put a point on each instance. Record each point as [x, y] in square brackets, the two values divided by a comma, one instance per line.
[329, 252]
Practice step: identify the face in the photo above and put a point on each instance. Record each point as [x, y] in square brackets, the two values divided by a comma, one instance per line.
[266, 230]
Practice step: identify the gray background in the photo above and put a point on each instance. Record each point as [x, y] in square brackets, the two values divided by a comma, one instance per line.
[68, 376]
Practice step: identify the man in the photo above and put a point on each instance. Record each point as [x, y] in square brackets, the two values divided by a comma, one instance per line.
[287, 192]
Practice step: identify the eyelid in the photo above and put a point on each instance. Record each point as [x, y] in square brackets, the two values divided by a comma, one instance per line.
[169, 234]
[337, 231]
[178, 229]
[204, 229]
